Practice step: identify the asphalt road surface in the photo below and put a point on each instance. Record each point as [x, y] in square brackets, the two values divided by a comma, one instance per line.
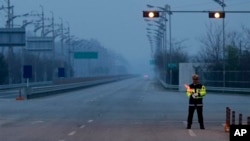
[135, 109]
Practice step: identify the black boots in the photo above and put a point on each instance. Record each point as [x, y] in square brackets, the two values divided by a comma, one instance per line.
[189, 126]
[201, 127]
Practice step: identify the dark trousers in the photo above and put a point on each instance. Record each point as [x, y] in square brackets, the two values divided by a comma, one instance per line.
[191, 110]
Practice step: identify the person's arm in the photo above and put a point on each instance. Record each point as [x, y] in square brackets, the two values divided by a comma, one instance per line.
[202, 92]
[189, 91]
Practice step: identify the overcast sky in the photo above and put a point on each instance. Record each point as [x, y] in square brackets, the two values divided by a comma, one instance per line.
[118, 24]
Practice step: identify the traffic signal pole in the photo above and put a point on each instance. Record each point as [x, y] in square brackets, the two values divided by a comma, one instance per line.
[223, 46]
[211, 14]
[205, 11]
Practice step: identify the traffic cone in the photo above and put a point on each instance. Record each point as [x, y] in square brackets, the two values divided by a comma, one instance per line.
[20, 97]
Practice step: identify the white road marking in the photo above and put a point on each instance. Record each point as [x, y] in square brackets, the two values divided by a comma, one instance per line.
[190, 131]
[72, 133]
[82, 126]
[89, 121]
[37, 122]
[61, 140]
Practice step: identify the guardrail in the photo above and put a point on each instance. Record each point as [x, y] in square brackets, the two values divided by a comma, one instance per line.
[15, 86]
[210, 89]
[229, 90]
[34, 92]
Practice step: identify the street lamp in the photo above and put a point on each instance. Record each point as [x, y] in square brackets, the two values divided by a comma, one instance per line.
[166, 10]
[10, 23]
[26, 23]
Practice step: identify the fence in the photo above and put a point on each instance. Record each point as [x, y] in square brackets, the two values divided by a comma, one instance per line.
[233, 79]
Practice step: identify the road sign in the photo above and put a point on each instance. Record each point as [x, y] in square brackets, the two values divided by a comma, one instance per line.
[86, 55]
[40, 43]
[61, 72]
[152, 62]
[12, 37]
[172, 65]
[27, 71]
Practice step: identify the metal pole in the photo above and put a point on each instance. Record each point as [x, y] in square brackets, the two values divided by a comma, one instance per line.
[165, 46]
[223, 46]
[9, 14]
[8, 25]
[170, 42]
[240, 119]
[42, 21]
[54, 54]
[62, 48]
[69, 52]
[233, 117]
[227, 124]
[223, 5]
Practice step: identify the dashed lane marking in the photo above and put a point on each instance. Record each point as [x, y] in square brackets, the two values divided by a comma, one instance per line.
[89, 121]
[82, 126]
[37, 122]
[72, 133]
[190, 131]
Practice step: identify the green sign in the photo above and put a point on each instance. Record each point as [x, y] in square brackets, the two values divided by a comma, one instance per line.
[172, 65]
[85, 55]
[152, 62]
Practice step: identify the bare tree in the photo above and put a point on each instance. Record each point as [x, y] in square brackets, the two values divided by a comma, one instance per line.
[211, 50]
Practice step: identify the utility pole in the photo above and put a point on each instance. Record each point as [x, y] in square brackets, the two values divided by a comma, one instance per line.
[223, 5]
[53, 45]
[62, 46]
[42, 21]
[168, 10]
[10, 51]
[68, 50]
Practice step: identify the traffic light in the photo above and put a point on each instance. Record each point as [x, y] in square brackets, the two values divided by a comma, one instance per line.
[216, 15]
[151, 14]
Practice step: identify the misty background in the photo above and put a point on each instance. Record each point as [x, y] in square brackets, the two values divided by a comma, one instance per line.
[118, 25]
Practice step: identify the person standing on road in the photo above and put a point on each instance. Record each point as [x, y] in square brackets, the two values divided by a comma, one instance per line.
[195, 92]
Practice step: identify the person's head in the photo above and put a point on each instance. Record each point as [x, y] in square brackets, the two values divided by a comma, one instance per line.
[195, 78]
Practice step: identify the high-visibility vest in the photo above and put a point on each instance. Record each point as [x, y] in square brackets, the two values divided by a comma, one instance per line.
[198, 88]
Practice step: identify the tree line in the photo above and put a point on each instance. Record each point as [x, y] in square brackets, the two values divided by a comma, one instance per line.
[233, 58]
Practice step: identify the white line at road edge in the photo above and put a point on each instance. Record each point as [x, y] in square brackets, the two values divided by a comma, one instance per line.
[190, 131]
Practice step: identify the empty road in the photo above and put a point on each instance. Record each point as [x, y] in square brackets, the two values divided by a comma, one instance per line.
[134, 109]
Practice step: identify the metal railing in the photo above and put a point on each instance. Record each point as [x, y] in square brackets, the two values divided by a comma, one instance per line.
[15, 86]
[33, 92]
[209, 88]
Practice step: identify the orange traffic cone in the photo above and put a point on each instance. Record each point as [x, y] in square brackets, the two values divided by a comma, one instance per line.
[20, 96]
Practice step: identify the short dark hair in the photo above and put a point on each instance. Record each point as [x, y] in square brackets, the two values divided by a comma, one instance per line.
[195, 77]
